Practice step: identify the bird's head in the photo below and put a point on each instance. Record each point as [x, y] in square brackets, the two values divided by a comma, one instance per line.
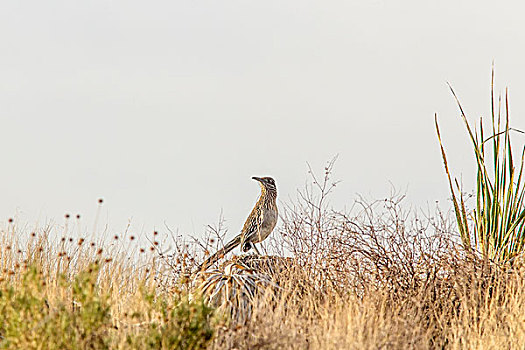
[267, 183]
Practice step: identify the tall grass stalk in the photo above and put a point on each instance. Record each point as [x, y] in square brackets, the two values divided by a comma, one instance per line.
[497, 224]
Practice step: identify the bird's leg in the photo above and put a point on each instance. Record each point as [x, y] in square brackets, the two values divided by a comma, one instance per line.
[255, 248]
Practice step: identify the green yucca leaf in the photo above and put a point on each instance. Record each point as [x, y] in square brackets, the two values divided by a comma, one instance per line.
[460, 214]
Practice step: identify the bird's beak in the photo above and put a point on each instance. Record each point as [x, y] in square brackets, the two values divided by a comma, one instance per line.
[257, 178]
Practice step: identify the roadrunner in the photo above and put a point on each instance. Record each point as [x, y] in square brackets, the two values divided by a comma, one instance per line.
[257, 227]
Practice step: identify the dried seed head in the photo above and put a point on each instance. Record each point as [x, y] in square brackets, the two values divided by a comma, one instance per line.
[67, 216]
[100, 201]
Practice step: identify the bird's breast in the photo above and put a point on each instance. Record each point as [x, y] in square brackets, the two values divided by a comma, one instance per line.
[269, 219]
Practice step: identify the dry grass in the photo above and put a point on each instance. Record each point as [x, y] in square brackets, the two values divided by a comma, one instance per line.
[60, 292]
[375, 277]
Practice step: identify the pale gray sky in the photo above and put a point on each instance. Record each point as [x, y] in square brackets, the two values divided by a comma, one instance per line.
[167, 108]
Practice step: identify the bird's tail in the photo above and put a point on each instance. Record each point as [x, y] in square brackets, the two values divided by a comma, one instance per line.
[221, 252]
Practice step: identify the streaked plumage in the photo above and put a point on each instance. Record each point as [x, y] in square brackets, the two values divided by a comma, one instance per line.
[258, 226]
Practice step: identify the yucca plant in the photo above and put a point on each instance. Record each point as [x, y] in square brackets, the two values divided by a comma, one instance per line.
[233, 289]
[497, 224]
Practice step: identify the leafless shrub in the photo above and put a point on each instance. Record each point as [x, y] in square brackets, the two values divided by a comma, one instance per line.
[375, 244]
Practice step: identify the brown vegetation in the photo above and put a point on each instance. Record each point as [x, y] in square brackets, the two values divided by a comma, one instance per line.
[375, 277]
